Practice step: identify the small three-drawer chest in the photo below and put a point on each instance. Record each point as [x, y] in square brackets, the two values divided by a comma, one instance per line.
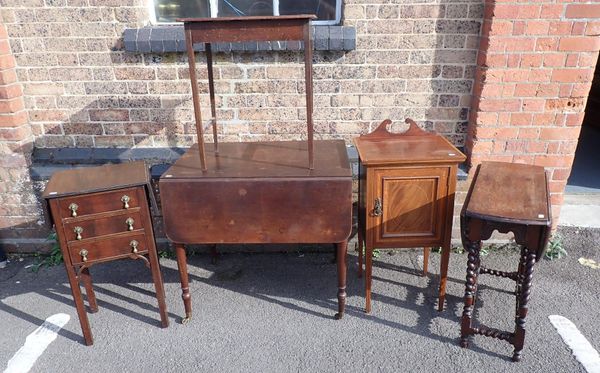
[103, 214]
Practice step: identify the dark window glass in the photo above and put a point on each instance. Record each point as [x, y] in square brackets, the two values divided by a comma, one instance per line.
[170, 10]
[236, 8]
[323, 9]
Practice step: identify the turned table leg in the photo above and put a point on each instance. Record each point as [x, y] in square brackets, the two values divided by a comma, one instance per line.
[342, 249]
[523, 299]
[86, 278]
[183, 277]
[473, 265]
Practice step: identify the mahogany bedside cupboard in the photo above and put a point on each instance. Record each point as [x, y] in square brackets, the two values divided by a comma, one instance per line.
[406, 195]
[102, 214]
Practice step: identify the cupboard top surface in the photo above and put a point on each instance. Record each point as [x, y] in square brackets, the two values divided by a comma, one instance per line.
[276, 159]
[511, 192]
[93, 179]
[430, 148]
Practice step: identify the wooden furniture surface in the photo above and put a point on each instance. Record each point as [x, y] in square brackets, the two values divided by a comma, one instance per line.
[513, 198]
[256, 192]
[103, 214]
[406, 195]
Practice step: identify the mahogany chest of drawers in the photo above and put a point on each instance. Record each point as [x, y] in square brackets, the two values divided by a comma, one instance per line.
[103, 214]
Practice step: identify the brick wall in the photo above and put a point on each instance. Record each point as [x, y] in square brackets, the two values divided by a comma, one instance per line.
[535, 70]
[413, 58]
[19, 209]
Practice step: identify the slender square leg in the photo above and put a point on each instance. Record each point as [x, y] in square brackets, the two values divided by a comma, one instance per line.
[342, 249]
[443, 275]
[158, 287]
[89, 289]
[78, 298]
[426, 251]
[183, 277]
[368, 280]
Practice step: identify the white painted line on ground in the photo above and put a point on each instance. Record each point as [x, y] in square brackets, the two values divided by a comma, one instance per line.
[36, 343]
[582, 349]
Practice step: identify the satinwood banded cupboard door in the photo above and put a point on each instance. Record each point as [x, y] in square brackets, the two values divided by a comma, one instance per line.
[408, 206]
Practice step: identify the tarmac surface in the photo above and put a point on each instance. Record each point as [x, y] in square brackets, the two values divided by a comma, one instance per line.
[273, 312]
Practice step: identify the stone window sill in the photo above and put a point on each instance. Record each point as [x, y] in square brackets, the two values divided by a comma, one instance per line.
[170, 38]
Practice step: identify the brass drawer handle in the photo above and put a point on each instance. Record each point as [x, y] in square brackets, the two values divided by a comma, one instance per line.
[125, 199]
[129, 223]
[378, 208]
[134, 246]
[73, 207]
[84, 254]
[78, 231]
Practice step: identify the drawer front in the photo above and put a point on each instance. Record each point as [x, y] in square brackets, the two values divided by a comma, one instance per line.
[116, 200]
[408, 206]
[77, 229]
[91, 251]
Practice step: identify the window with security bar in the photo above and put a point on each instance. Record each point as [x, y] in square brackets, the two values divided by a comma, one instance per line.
[328, 12]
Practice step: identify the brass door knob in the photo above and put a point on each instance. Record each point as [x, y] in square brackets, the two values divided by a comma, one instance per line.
[129, 223]
[78, 231]
[134, 246]
[73, 207]
[377, 208]
[84, 254]
[125, 199]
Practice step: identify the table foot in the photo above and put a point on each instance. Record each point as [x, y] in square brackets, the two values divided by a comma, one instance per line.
[186, 319]
[339, 316]
[516, 356]
[464, 342]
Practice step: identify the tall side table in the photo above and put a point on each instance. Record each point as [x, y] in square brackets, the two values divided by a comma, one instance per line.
[513, 198]
[406, 195]
[102, 214]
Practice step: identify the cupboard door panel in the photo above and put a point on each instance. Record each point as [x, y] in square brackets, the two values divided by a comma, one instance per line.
[413, 205]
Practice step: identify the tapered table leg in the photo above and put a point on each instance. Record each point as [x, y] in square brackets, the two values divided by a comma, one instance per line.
[183, 277]
[158, 287]
[86, 278]
[78, 298]
[426, 251]
[368, 274]
[342, 250]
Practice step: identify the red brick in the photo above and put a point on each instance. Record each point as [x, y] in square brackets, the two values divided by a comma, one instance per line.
[502, 133]
[3, 34]
[4, 47]
[572, 75]
[7, 77]
[536, 146]
[560, 28]
[498, 27]
[579, 44]
[556, 200]
[551, 11]
[565, 104]
[531, 60]
[578, 28]
[521, 119]
[553, 161]
[10, 91]
[548, 90]
[499, 147]
[7, 61]
[515, 146]
[504, 119]
[529, 133]
[544, 119]
[572, 59]
[513, 60]
[11, 106]
[557, 186]
[568, 147]
[593, 28]
[516, 75]
[524, 159]
[493, 60]
[546, 44]
[521, 45]
[574, 119]
[533, 105]
[483, 147]
[560, 174]
[537, 27]
[553, 147]
[519, 28]
[526, 90]
[565, 90]
[581, 89]
[486, 118]
[13, 120]
[560, 133]
[492, 90]
[588, 59]
[500, 105]
[554, 60]
[16, 133]
[109, 115]
[583, 11]
[540, 75]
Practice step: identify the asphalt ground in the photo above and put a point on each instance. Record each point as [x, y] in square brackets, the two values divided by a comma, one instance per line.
[274, 312]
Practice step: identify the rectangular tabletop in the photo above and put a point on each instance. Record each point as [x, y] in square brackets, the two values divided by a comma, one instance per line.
[509, 192]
